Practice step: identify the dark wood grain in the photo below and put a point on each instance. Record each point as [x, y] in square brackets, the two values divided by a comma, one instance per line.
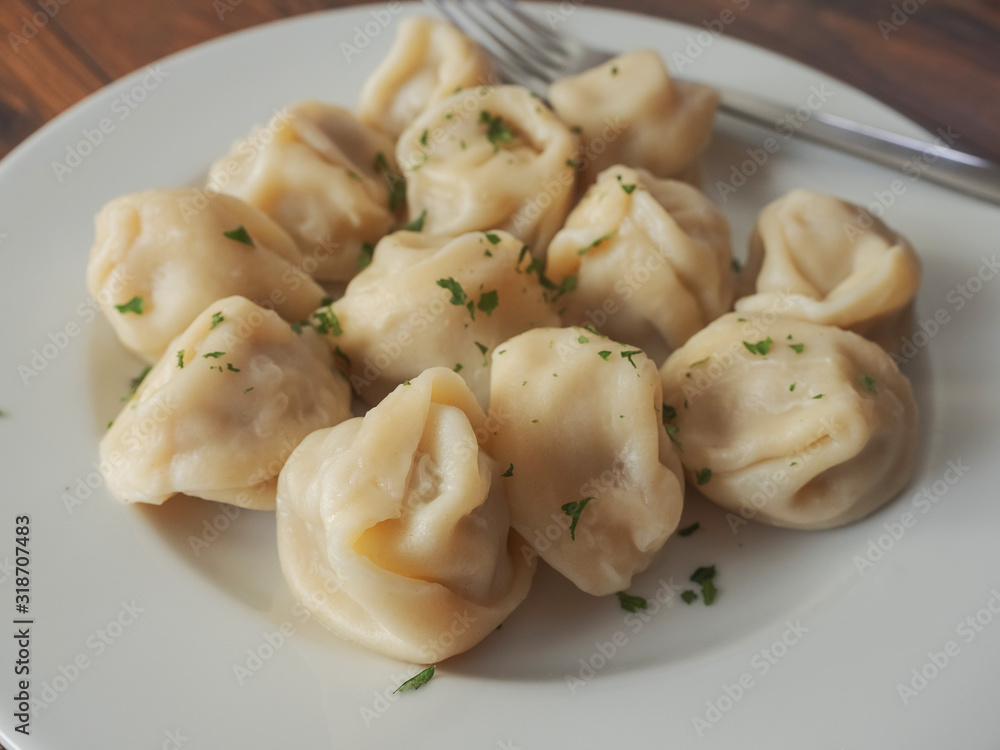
[941, 67]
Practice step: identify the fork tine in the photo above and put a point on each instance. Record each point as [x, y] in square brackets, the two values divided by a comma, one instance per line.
[513, 64]
[545, 50]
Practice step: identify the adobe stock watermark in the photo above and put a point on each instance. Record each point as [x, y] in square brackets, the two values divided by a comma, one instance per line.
[605, 651]
[957, 298]
[121, 106]
[714, 28]
[371, 28]
[761, 663]
[31, 25]
[901, 14]
[97, 644]
[925, 500]
[967, 630]
[785, 128]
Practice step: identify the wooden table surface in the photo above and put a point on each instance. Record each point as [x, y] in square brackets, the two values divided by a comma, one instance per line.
[937, 61]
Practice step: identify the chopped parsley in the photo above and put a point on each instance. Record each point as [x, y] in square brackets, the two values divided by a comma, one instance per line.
[631, 603]
[217, 318]
[669, 412]
[595, 243]
[457, 293]
[239, 234]
[604, 354]
[135, 382]
[417, 225]
[481, 347]
[705, 577]
[791, 387]
[520, 255]
[673, 432]
[180, 359]
[365, 256]
[761, 347]
[703, 476]
[572, 163]
[819, 395]
[339, 353]
[798, 347]
[327, 322]
[417, 681]
[397, 185]
[488, 301]
[614, 70]
[509, 472]
[497, 131]
[574, 510]
[735, 265]
[568, 284]
[628, 188]
[229, 366]
[689, 530]
[688, 596]
[629, 354]
[458, 367]
[582, 339]
[423, 138]
[869, 383]
[493, 238]
[248, 389]
[213, 355]
[134, 305]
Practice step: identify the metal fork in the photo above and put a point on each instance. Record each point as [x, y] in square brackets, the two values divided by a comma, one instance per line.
[529, 53]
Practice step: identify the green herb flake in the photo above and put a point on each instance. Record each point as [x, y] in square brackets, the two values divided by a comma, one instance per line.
[229, 366]
[629, 354]
[423, 138]
[735, 265]
[497, 131]
[798, 348]
[134, 305]
[572, 164]
[458, 367]
[631, 603]
[180, 359]
[217, 318]
[702, 574]
[248, 389]
[703, 476]
[239, 234]
[417, 681]
[708, 592]
[397, 185]
[365, 256]
[488, 301]
[417, 225]
[614, 70]
[213, 355]
[673, 432]
[689, 530]
[582, 339]
[869, 382]
[818, 395]
[669, 412]
[493, 238]
[604, 355]
[509, 472]
[688, 596]
[595, 243]
[574, 510]
[628, 188]
[457, 293]
[520, 255]
[327, 322]
[761, 347]
[135, 382]
[791, 387]
[481, 347]
[568, 284]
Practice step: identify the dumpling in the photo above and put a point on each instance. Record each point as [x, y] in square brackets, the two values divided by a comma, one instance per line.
[393, 528]
[489, 158]
[788, 422]
[630, 111]
[218, 415]
[429, 61]
[160, 256]
[594, 482]
[327, 179]
[818, 258]
[651, 258]
[429, 301]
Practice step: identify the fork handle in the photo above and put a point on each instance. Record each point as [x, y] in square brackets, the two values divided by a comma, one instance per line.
[916, 158]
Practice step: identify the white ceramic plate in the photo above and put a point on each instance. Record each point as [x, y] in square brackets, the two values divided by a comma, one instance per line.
[136, 639]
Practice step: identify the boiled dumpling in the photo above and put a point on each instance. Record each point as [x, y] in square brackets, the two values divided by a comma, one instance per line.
[651, 259]
[429, 61]
[818, 258]
[788, 422]
[429, 301]
[326, 178]
[394, 531]
[630, 111]
[594, 482]
[218, 415]
[160, 256]
[489, 158]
